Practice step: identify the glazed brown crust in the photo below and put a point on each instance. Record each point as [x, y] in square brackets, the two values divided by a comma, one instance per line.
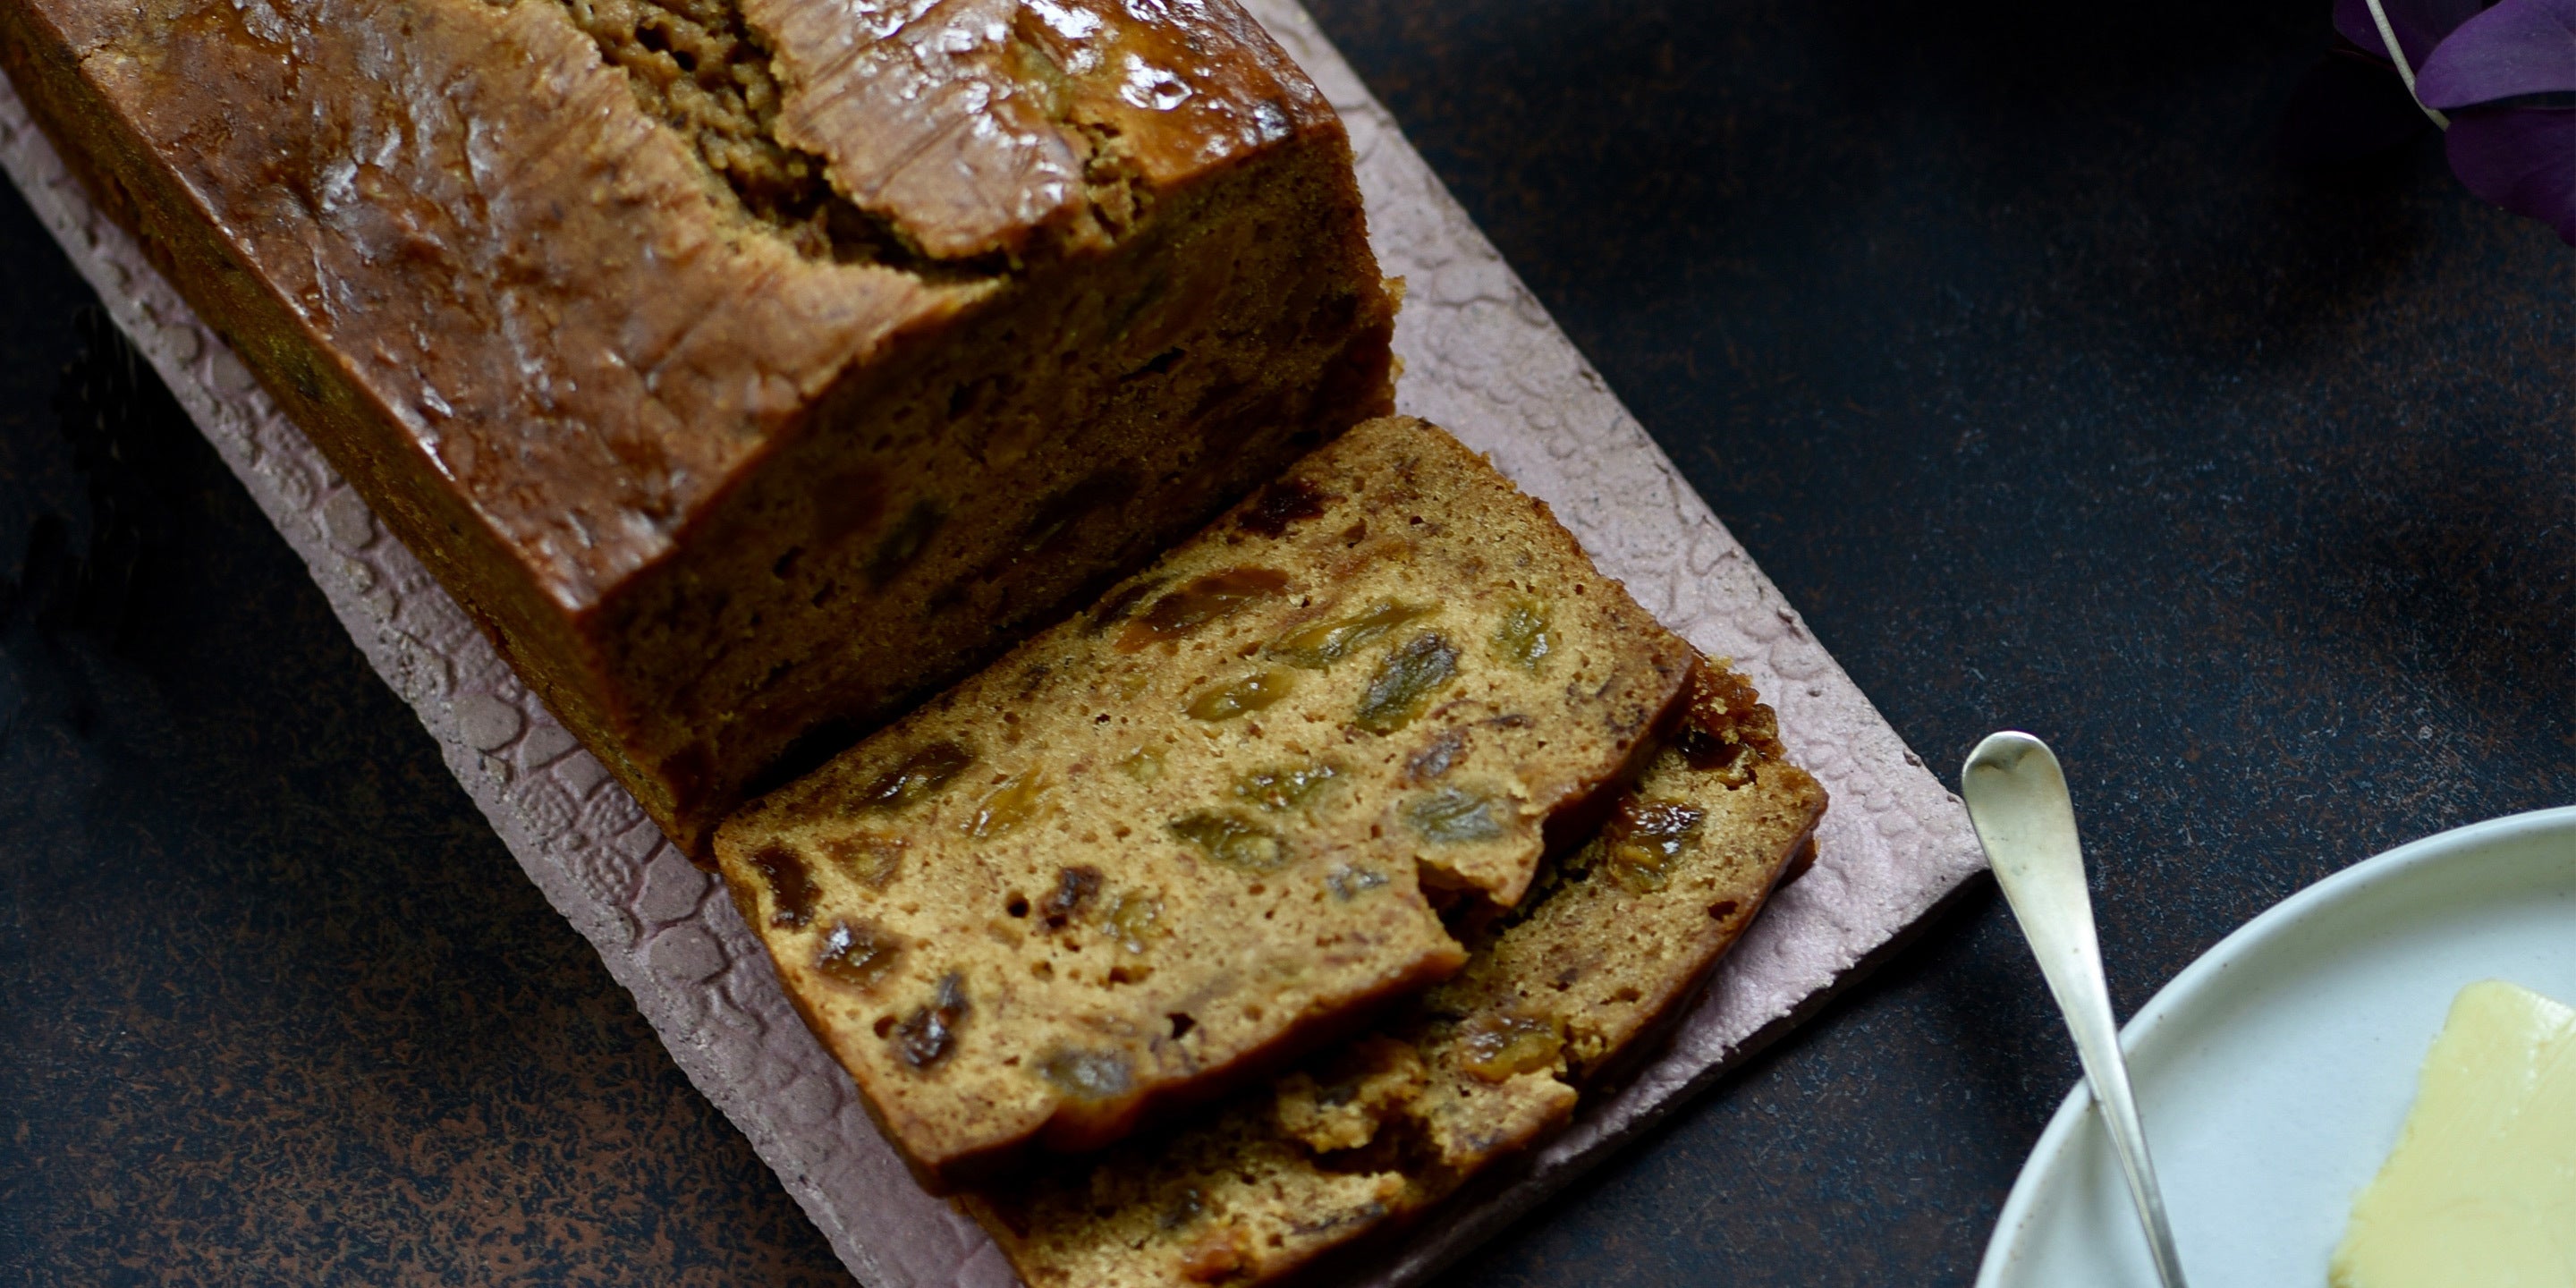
[980, 125]
[534, 281]
[585, 379]
[532, 284]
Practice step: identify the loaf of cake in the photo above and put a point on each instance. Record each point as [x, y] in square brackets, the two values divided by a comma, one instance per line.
[1216, 818]
[1562, 995]
[746, 368]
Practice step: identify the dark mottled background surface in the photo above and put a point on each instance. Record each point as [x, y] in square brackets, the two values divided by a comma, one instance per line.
[1994, 328]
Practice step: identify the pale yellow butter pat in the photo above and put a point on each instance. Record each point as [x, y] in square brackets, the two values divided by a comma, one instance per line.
[2481, 1189]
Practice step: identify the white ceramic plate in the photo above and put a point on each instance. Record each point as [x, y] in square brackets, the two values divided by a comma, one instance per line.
[2273, 1073]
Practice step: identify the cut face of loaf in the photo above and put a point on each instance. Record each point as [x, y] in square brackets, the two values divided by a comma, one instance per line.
[1169, 842]
[1573, 986]
[745, 368]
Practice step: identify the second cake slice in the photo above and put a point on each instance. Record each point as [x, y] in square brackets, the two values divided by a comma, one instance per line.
[1213, 820]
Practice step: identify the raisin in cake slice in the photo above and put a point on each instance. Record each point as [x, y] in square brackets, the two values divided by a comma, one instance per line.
[1215, 820]
[1565, 992]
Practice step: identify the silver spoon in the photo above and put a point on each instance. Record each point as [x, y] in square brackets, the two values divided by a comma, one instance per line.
[2017, 798]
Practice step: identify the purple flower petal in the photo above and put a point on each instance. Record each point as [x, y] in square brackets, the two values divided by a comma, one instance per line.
[2420, 24]
[2518, 47]
[2520, 158]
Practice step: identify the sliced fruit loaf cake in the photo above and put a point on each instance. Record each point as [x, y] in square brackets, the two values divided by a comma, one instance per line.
[1214, 820]
[1563, 994]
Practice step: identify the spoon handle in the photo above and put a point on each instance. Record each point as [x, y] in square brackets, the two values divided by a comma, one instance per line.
[2016, 796]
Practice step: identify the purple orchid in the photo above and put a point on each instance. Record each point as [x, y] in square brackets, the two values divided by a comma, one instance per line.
[2501, 81]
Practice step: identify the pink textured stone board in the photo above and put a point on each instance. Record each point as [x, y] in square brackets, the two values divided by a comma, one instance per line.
[1481, 358]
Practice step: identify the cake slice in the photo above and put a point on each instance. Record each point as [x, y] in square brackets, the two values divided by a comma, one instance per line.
[1212, 821]
[1614, 944]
